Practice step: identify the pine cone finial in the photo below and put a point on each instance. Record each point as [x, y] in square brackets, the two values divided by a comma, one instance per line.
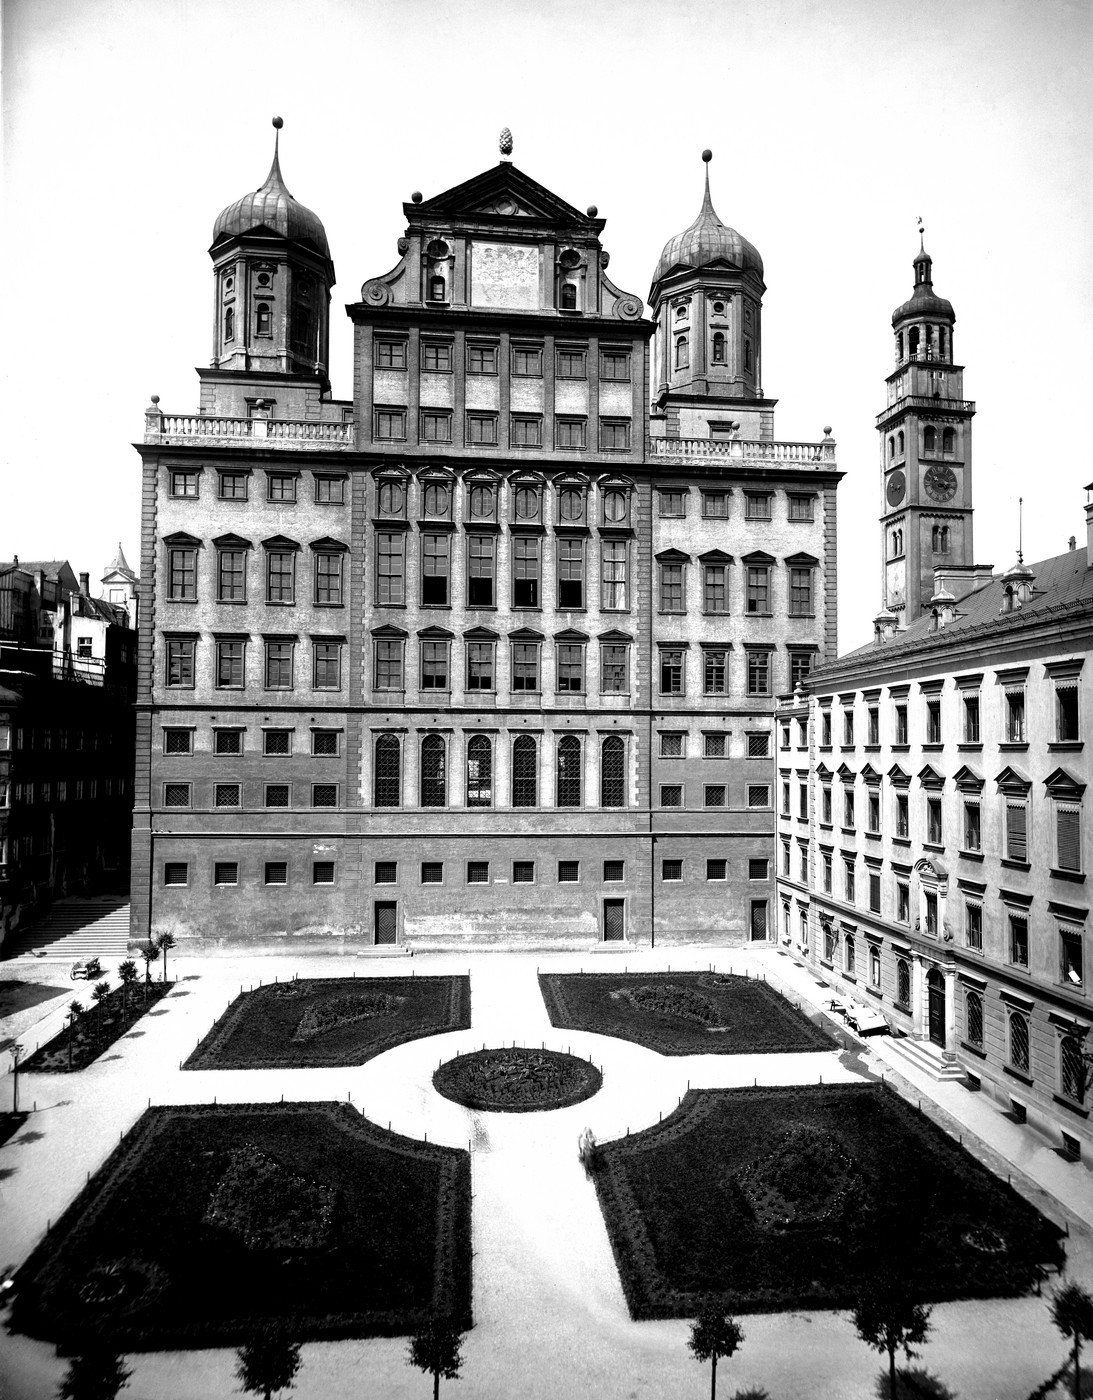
[506, 141]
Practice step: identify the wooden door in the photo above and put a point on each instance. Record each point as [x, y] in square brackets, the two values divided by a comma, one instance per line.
[935, 993]
[386, 920]
[614, 920]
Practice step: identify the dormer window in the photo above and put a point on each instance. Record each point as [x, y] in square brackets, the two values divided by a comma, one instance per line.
[718, 356]
[263, 319]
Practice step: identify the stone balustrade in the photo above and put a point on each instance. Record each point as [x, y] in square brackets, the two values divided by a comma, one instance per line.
[920, 401]
[808, 454]
[169, 428]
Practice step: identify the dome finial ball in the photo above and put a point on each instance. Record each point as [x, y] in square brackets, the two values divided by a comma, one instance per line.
[707, 155]
[278, 123]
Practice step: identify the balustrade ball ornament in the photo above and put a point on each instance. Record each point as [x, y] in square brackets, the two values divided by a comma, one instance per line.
[707, 155]
[416, 196]
[592, 211]
[278, 123]
[517, 1080]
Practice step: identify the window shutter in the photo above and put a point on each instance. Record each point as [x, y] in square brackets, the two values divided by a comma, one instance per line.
[1016, 841]
[1069, 828]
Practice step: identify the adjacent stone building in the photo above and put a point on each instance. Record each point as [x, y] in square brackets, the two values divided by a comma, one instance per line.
[489, 653]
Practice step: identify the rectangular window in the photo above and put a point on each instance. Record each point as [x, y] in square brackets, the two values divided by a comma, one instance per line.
[715, 590]
[324, 742]
[714, 795]
[568, 871]
[390, 424]
[800, 508]
[615, 364]
[874, 892]
[848, 728]
[848, 807]
[176, 872]
[825, 729]
[435, 570]
[1018, 940]
[757, 505]
[432, 872]
[671, 503]
[1015, 717]
[873, 808]
[390, 354]
[436, 425]
[715, 746]
[527, 360]
[717, 869]
[280, 576]
[330, 490]
[825, 805]
[482, 429]
[903, 816]
[1066, 711]
[434, 665]
[800, 593]
[758, 589]
[276, 742]
[390, 569]
[526, 431]
[322, 872]
[825, 866]
[973, 925]
[388, 665]
[481, 359]
[671, 795]
[671, 588]
[570, 433]
[327, 665]
[758, 794]
[570, 658]
[231, 575]
[277, 794]
[671, 870]
[176, 794]
[715, 667]
[480, 665]
[386, 872]
[226, 872]
[182, 575]
[614, 434]
[227, 741]
[480, 571]
[874, 725]
[671, 671]
[276, 872]
[571, 364]
[615, 591]
[971, 719]
[525, 666]
[972, 826]
[1071, 969]
[178, 741]
[1016, 829]
[715, 505]
[758, 868]
[525, 571]
[848, 881]
[523, 872]
[613, 871]
[226, 795]
[324, 794]
[758, 744]
[1068, 836]
[279, 665]
[570, 573]
[933, 721]
[281, 487]
[933, 820]
[436, 355]
[229, 665]
[185, 484]
[758, 672]
[478, 872]
[901, 724]
[800, 667]
[614, 669]
[233, 486]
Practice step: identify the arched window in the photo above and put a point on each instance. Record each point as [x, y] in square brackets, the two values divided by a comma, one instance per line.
[229, 323]
[929, 439]
[263, 323]
[568, 299]
[935, 538]
[681, 311]
[386, 783]
[1019, 1042]
[525, 772]
[903, 982]
[912, 342]
[944, 539]
[683, 357]
[899, 541]
[747, 354]
[1072, 1069]
[941, 342]
[569, 772]
[613, 772]
[929, 342]
[900, 442]
[948, 440]
[480, 772]
[899, 346]
[891, 448]
[973, 1018]
[718, 348]
[434, 783]
[436, 288]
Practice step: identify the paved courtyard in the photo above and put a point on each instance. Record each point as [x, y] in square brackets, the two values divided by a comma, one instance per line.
[550, 1316]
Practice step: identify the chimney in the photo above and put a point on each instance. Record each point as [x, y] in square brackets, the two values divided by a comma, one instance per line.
[1089, 535]
[941, 605]
[885, 626]
[85, 585]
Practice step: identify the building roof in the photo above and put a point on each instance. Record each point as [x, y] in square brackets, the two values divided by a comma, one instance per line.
[707, 241]
[272, 207]
[50, 567]
[119, 565]
[924, 301]
[1061, 586]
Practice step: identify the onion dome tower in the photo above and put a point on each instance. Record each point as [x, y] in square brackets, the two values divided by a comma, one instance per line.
[926, 452]
[706, 299]
[273, 276]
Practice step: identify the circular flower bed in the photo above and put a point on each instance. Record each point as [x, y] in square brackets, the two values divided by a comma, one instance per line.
[517, 1080]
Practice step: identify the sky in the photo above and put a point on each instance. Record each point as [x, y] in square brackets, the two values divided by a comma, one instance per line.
[128, 125]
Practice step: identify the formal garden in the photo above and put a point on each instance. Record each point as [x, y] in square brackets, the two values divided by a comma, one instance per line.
[209, 1221]
[517, 1080]
[682, 1013]
[792, 1197]
[92, 1027]
[323, 1022]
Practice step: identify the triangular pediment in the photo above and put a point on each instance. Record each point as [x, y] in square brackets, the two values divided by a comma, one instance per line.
[967, 779]
[503, 193]
[929, 777]
[1064, 784]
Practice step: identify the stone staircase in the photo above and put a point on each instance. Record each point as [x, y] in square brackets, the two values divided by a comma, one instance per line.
[76, 929]
[922, 1055]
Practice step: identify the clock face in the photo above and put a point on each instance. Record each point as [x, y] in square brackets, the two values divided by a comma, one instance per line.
[896, 486]
[940, 483]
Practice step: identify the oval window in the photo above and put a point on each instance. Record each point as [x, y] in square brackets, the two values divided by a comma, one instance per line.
[390, 498]
[263, 279]
[436, 499]
[481, 502]
[437, 248]
[571, 504]
[614, 506]
[527, 503]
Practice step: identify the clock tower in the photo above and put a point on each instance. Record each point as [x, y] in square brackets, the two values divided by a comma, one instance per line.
[926, 452]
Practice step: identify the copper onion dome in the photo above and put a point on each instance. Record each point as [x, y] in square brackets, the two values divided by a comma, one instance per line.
[924, 302]
[271, 206]
[708, 240]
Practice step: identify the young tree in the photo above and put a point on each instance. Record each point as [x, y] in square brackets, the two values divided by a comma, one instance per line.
[99, 992]
[162, 941]
[888, 1319]
[149, 952]
[269, 1361]
[127, 972]
[1072, 1314]
[713, 1336]
[95, 1374]
[75, 1011]
[437, 1352]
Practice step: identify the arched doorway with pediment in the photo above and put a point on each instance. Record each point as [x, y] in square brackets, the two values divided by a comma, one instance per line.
[935, 1006]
